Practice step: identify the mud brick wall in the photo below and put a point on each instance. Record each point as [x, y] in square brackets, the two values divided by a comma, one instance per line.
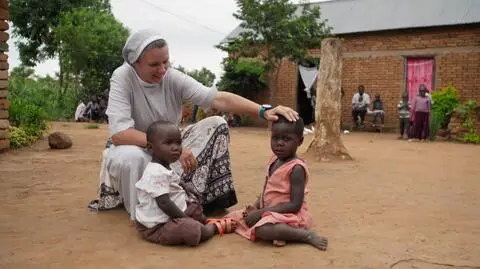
[378, 59]
[4, 123]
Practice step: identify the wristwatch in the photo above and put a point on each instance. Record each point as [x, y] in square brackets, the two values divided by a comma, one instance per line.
[264, 108]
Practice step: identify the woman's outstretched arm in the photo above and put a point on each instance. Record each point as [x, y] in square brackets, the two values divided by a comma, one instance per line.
[229, 102]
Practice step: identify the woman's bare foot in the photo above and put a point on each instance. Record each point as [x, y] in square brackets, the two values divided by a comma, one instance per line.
[319, 242]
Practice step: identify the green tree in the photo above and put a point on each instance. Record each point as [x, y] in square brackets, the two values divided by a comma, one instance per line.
[34, 22]
[244, 77]
[22, 72]
[90, 44]
[203, 75]
[275, 30]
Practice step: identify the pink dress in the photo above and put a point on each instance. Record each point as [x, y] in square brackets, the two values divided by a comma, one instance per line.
[277, 191]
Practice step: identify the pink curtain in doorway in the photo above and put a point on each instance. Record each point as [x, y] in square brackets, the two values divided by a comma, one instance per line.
[419, 71]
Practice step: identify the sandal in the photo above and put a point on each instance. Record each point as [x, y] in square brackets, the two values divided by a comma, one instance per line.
[224, 225]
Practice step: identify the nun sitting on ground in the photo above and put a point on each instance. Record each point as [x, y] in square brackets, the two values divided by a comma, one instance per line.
[146, 89]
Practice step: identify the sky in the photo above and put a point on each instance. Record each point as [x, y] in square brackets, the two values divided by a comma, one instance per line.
[191, 27]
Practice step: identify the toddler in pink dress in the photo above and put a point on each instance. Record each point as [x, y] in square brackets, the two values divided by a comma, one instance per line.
[281, 214]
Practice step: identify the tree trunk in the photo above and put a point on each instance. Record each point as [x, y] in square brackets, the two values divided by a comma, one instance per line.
[60, 76]
[327, 144]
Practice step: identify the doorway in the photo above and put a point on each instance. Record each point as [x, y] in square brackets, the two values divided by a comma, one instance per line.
[306, 91]
[419, 71]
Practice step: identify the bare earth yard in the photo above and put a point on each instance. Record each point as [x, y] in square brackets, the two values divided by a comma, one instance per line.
[413, 204]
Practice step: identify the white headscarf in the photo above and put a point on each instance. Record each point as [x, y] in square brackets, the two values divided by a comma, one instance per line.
[137, 42]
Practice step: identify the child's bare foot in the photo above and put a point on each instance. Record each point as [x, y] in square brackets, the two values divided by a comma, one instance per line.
[319, 242]
[279, 243]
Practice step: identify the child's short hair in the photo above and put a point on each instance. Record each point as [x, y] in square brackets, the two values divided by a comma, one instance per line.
[297, 126]
[156, 128]
[377, 95]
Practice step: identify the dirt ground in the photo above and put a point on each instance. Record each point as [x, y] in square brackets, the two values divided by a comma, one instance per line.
[398, 205]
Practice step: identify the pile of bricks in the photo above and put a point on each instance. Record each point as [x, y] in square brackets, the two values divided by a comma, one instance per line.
[4, 123]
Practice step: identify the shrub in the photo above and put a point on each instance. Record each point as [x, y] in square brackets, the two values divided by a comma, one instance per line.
[32, 103]
[244, 77]
[436, 124]
[444, 102]
[19, 137]
[467, 114]
[56, 103]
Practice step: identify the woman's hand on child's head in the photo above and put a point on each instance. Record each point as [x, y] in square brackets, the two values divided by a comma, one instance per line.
[188, 161]
[253, 217]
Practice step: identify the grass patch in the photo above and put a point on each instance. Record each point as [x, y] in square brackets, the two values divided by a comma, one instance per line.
[92, 126]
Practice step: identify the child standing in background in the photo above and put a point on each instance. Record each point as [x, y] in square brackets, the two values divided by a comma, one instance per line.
[422, 105]
[404, 114]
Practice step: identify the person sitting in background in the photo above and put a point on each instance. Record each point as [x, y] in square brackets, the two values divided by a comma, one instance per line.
[378, 110]
[80, 111]
[360, 102]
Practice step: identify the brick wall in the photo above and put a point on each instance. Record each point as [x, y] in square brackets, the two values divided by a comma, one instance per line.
[377, 60]
[4, 123]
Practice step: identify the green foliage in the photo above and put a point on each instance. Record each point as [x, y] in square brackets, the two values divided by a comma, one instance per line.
[467, 112]
[466, 109]
[275, 30]
[22, 72]
[92, 126]
[33, 102]
[471, 138]
[42, 93]
[436, 124]
[19, 137]
[246, 121]
[90, 42]
[244, 77]
[203, 75]
[34, 20]
[444, 102]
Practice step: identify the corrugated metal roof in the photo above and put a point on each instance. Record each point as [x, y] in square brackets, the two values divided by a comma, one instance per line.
[355, 16]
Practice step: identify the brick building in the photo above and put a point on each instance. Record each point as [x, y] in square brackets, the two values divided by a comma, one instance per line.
[383, 41]
[4, 123]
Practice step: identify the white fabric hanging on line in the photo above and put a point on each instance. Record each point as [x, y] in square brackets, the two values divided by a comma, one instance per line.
[308, 75]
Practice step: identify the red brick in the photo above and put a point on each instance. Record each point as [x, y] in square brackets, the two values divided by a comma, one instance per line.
[3, 114]
[4, 26]
[3, 134]
[4, 4]
[4, 14]
[4, 124]
[4, 36]
[3, 104]
[4, 144]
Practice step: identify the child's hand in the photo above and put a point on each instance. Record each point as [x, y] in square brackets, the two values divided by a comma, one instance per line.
[190, 191]
[253, 217]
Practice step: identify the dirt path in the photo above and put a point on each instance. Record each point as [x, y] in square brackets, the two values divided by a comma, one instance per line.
[397, 201]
